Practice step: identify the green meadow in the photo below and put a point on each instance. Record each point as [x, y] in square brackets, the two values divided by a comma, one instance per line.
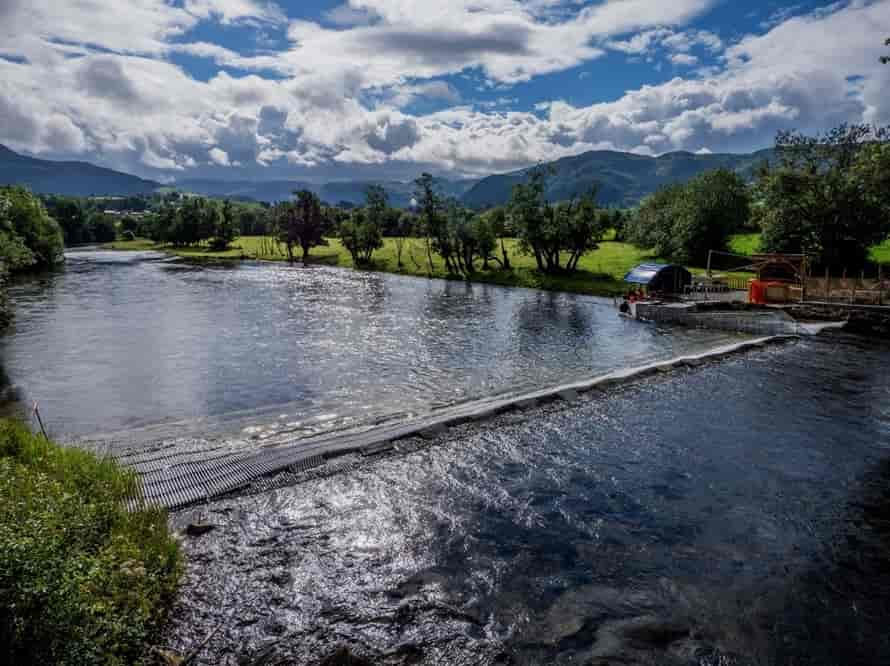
[600, 272]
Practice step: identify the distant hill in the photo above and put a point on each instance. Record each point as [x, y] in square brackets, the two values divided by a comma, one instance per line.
[400, 193]
[79, 179]
[623, 178]
[351, 191]
[269, 190]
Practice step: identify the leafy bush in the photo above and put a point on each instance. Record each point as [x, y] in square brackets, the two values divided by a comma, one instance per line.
[29, 237]
[82, 579]
[361, 237]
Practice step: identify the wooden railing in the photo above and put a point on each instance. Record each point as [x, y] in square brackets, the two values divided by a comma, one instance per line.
[848, 290]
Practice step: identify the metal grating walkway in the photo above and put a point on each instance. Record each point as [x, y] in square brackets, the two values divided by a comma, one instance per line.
[173, 477]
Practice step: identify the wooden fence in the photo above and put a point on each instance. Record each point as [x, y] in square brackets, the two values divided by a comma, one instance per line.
[859, 290]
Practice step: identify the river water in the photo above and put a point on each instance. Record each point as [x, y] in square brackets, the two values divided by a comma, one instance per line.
[138, 347]
[736, 513]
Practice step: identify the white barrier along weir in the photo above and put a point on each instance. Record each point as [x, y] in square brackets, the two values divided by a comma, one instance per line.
[175, 480]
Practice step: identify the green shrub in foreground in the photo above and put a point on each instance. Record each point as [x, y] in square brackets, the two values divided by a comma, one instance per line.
[82, 580]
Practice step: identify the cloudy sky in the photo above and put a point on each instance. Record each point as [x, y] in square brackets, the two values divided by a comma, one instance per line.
[321, 89]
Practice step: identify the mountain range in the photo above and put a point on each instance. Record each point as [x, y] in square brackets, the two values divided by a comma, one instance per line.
[68, 178]
[335, 192]
[623, 179]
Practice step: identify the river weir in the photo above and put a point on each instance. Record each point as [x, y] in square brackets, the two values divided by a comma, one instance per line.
[175, 475]
[559, 484]
[733, 513]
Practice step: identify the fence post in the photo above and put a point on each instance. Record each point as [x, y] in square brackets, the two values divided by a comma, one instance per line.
[827, 285]
[880, 285]
[805, 277]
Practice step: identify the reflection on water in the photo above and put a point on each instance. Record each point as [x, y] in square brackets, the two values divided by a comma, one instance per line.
[120, 341]
[733, 514]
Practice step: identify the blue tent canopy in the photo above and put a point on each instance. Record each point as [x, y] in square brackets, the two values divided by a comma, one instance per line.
[668, 278]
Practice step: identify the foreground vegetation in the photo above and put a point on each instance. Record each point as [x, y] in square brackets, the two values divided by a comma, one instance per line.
[83, 580]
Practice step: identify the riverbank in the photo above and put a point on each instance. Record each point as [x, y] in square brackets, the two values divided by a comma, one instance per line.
[84, 579]
[600, 272]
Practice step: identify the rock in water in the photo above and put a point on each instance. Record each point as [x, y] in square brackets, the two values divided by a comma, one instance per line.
[199, 529]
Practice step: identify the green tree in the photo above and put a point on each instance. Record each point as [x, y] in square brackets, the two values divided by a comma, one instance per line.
[429, 210]
[618, 221]
[583, 230]
[225, 229]
[404, 226]
[164, 226]
[130, 225]
[483, 232]
[376, 204]
[14, 254]
[498, 223]
[30, 225]
[72, 216]
[459, 240]
[682, 223]
[190, 225]
[360, 236]
[652, 226]
[827, 196]
[301, 223]
[548, 231]
[101, 227]
[528, 216]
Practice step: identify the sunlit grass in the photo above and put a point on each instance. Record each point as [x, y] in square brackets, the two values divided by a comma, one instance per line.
[881, 253]
[600, 272]
[84, 579]
[746, 244]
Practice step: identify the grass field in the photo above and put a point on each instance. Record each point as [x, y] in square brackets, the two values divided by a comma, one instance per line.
[749, 244]
[600, 272]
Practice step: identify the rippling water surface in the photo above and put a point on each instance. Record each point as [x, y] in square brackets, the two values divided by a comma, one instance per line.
[130, 342]
[737, 513]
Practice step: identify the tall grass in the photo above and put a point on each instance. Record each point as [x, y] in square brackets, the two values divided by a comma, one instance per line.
[82, 579]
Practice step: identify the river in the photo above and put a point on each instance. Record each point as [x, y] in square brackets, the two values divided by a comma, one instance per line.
[736, 513]
[733, 514]
[134, 346]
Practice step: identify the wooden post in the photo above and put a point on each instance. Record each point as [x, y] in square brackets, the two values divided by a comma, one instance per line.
[40, 421]
[710, 254]
[805, 270]
[880, 285]
[827, 285]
